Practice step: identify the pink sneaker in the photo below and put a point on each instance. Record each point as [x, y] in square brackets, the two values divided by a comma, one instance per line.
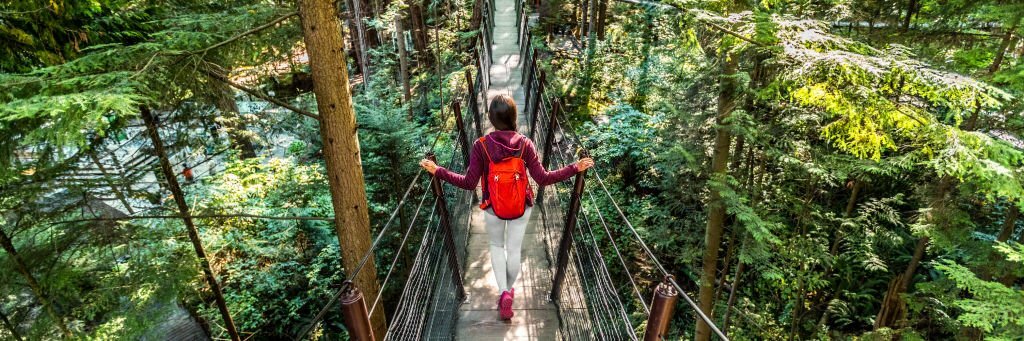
[505, 306]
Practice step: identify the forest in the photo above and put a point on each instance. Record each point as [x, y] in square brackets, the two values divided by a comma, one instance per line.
[806, 169]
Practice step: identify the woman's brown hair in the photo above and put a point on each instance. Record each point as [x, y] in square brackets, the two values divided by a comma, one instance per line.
[502, 113]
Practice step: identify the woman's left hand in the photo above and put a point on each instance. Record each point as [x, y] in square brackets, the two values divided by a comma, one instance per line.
[430, 166]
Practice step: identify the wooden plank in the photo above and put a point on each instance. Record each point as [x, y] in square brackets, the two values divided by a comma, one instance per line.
[536, 317]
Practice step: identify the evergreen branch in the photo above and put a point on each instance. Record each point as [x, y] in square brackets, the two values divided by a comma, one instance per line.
[251, 31]
[240, 35]
[260, 95]
[675, 7]
[197, 216]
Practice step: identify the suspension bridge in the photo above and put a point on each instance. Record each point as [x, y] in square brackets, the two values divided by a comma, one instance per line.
[566, 290]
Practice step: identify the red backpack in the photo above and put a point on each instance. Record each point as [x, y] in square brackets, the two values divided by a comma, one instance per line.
[507, 185]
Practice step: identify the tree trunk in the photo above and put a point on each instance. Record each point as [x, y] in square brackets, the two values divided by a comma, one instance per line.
[186, 217]
[737, 162]
[322, 32]
[403, 65]
[851, 204]
[602, 16]
[356, 14]
[1009, 223]
[911, 8]
[893, 306]
[419, 33]
[592, 22]
[1008, 39]
[1011, 278]
[10, 326]
[737, 279]
[110, 182]
[728, 95]
[236, 125]
[1008, 226]
[370, 10]
[730, 250]
[30, 279]
[584, 16]
[353, 38]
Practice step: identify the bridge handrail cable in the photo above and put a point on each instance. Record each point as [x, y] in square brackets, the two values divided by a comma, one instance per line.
[671, 279]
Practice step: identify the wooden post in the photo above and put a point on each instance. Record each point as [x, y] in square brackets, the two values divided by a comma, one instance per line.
[567, 232]
[528, 85]
[186, 217]
[538, 98]
[519, 14]
[525, 55]
[549, 139]
[474, 103]
[355, 315]
[446, 229]
[463, 141]
[662, 307]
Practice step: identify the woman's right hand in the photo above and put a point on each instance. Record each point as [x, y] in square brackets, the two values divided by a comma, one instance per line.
[584, 163]
[430, 166]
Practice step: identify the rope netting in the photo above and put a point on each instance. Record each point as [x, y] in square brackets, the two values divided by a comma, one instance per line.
[614, 309]
[589, 304]
[592, 305]
[428, 307]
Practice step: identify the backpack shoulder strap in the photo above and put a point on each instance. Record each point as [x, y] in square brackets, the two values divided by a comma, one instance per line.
[484, 146]
[522, 146]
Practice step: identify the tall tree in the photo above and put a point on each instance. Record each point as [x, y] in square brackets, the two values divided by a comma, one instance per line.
[403, 63]
[1009, 38]
[33, 283]
[10, 326]
[728, 97]
[186, 217]
[322, 32]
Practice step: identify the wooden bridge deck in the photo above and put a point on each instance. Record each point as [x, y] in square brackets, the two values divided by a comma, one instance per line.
[536, 317]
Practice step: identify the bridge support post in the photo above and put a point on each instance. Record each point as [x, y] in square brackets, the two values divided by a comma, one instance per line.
[527, 79]
[524, 54]
[538, 96]
[549, 141]
[446, 231]
[662, 307]
[463, 142]
[354, 314]
[524, 46]
[567, 234]
[474, 97]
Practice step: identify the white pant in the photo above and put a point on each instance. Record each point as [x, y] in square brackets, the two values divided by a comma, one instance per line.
[506, 252]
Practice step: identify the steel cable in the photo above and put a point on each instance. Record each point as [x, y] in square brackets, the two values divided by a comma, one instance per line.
[640, 241]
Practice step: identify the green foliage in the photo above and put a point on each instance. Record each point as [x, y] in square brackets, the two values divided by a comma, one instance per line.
[989, 306]
[276, 272]
[823, 110]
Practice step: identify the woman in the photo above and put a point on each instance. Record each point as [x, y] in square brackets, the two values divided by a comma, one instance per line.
[498, 149]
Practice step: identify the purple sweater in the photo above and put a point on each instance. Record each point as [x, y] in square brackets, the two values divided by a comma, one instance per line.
[502, 144]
